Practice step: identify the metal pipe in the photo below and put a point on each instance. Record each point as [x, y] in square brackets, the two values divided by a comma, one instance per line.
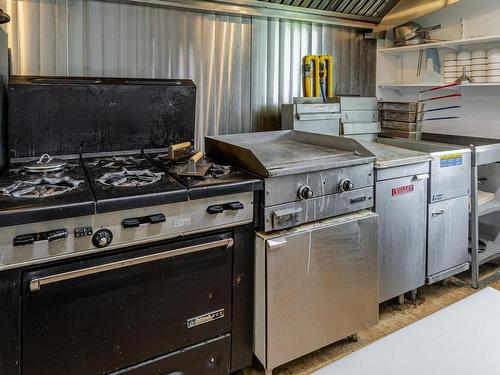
[327, 63]
[317, 87]
[308, 68]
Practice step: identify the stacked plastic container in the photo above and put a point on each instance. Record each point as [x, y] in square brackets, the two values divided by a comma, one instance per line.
[450, 69]
[493, 66]
[464, 63]
[479, 66]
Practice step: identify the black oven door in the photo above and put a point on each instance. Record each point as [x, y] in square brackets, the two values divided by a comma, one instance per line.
[98, 315]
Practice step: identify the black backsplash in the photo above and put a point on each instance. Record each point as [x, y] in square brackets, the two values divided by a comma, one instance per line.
[71, 115]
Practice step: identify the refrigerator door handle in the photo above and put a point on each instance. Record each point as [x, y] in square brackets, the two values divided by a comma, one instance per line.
[440, 212]
[276, 243]
[423, 176]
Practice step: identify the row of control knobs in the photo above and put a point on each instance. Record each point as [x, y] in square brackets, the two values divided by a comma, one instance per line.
[305, 191]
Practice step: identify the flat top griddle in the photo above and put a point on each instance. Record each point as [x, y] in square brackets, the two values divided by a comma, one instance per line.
[276, 153]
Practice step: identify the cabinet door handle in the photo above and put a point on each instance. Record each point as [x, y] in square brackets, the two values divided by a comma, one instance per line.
[36, 283]
[423, 176]
[276, 243]
[440, 212]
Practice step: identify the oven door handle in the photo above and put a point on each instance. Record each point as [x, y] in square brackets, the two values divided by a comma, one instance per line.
[36, 283]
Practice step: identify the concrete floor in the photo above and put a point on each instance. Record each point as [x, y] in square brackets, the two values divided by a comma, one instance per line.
[430, 299]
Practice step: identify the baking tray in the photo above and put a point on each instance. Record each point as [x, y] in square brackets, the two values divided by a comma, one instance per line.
[401, 134]
[402, 116]
[402, 106]
[401, 126]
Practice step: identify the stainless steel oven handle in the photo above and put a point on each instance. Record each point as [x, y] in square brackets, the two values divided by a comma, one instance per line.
[37, 283]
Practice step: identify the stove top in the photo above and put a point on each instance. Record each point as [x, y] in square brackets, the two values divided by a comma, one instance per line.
[130, 181]
[28, 197]
[220, 179]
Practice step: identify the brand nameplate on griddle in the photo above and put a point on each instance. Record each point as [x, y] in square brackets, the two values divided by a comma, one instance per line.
[205, 318]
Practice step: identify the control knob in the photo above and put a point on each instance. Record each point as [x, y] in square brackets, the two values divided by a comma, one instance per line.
[345, 185]
[102, 238]
[305, 192]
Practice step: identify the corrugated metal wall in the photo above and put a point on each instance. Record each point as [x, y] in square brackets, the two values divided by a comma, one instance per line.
[244, 68]
[277, 50]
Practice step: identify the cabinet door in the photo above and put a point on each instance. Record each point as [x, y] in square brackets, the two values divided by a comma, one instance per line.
[105, 313]
[321, 287]
[447, 245]
[402, 206]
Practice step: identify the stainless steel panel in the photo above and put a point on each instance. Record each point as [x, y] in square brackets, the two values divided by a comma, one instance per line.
[411, 170]
[358, 103]
[295, 213]
[320, 287]
[317, 108]
[359, 116]
[284, 189]
[484, 150]
[182, 219]
[361, 128]
[402, 207]
[450, 180]
[448, 234]
[450, 167]
[447, 273]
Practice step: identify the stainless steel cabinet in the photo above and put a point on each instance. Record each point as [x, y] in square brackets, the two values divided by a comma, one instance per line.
[315, 284]
[447, 237]
[401, 204]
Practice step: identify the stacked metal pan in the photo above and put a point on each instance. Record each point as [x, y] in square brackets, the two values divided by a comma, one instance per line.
[402, 119]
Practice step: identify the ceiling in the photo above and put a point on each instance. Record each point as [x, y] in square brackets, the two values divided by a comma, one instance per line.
[367, 8]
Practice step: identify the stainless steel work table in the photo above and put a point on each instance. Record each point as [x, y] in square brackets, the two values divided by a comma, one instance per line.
[484, 151]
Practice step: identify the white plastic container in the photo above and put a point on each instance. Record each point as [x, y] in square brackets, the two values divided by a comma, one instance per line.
[479, 79]
[493, 66]
[451, 56]
[478, 53]
[479, 67]
[464, 55]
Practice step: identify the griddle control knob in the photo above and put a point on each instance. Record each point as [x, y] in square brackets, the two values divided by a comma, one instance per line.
[102, 238]
[305, 192]
[346, 185]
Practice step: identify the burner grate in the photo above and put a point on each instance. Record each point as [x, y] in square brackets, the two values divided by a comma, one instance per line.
[127, 178]
[41, 187]
[116, 162]
[218, 171]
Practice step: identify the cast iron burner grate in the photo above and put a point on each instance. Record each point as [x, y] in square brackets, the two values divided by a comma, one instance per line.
[41, 187]
[218, 171]
[117, 162]
[126, 178]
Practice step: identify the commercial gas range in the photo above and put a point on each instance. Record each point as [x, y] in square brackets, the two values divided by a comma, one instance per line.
[110, 262]
[316, 270]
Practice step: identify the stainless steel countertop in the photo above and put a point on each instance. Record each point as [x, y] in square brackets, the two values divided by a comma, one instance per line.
[390, 156]
[484, 150]
[432, 148]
